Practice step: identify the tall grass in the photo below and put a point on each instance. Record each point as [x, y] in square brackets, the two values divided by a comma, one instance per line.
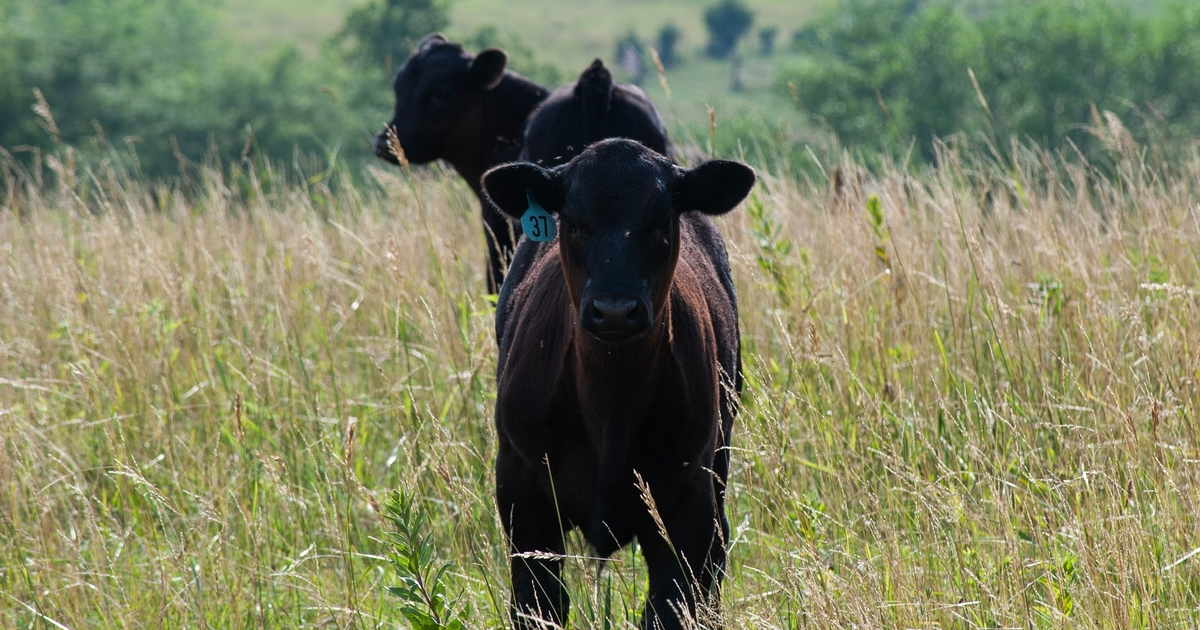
[970, 399]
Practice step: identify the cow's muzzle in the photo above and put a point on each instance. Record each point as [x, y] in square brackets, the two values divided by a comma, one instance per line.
[615, 318]
[383, 149]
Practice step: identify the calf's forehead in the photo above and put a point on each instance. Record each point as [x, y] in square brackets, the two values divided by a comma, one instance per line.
[618, 189]
[429, 66]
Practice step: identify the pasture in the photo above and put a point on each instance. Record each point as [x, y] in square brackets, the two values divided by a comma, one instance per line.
[970, 402]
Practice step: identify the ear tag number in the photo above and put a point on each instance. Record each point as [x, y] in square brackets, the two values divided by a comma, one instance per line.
[538, 224]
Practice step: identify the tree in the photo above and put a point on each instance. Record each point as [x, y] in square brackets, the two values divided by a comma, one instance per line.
[878, 74]
[381, 33]
[668, 39]
[889, 71]
[160, 77]
[15, 98]
[727, 23]
[1175, 51]
[1049, 63]
[766, 40]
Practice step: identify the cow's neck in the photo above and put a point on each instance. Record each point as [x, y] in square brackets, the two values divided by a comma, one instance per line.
[502, 113]
[610, 379]
[616, 386]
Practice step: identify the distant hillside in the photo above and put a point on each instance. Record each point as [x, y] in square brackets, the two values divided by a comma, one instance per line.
[572, 33]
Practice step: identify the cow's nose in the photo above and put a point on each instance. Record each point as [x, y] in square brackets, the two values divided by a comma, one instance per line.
[616, 316]
[382, 149]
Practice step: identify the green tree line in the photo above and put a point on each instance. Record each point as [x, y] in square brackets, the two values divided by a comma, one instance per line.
[890, 72]
[160, 80]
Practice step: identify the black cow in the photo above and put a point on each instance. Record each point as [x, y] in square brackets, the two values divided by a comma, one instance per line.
[619, 357]
[589, 110]
[469, 111]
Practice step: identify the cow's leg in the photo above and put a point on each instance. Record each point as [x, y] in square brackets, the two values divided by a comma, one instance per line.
[720, 477]
[683, 571]
[535, 538]
[730, 393]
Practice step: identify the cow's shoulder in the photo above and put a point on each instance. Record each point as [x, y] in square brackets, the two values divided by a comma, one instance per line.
[703, 245]
[534, 341]
[527, 255]
[708, 262]
[694, 346]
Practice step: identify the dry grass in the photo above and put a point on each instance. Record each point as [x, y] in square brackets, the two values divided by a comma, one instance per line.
[976, 409]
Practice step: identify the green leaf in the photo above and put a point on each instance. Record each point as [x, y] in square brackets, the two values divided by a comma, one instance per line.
[875, 209]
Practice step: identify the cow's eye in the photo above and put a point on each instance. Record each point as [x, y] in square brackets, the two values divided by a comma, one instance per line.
[441, 97]
[662, 230]
[570, 227]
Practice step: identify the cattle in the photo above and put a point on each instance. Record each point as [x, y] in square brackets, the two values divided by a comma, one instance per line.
[589, 110]
[618, 372]
[465, 109]
[469, 111]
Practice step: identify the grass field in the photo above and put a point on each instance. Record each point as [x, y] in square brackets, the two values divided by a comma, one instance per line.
[969, 404]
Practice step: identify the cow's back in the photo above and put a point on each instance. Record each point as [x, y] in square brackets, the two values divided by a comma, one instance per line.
[592, 109]
[634, 116]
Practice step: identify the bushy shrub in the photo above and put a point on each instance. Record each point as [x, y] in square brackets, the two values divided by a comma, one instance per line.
[727, 23]
[1171, 63]
[938, 98]
[766, 40]
[1043, 65]
[667, 44]
[159, 77]
[867, 68]
[885, 72]
[15, 100]
[381, 33]
[108, 61]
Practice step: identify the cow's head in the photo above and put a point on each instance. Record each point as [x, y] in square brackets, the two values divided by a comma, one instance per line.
[618, 206]
[438, 101]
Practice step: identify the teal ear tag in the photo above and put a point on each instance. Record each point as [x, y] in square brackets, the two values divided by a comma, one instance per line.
[537, 224]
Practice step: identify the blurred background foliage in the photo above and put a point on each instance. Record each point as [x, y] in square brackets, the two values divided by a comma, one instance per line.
[161, 78]
[381, 33]
[727, 22]
[890, 72]
[169, 81]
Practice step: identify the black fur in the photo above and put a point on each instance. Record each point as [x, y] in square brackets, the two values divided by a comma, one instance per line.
[589, 110]
[468, 110]
[585, 401]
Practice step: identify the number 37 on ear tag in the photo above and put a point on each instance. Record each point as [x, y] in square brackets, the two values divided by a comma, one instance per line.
[537, 223]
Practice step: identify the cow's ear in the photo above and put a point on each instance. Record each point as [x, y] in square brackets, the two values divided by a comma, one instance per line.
[715, 187]
[509, 187]
[487, 69]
